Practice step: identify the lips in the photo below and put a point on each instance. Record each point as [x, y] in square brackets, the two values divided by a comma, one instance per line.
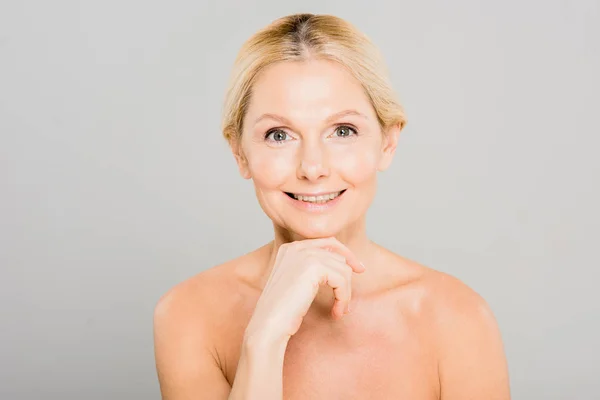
[320, 198]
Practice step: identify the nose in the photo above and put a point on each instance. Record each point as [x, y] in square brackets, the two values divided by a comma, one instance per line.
[313, 163]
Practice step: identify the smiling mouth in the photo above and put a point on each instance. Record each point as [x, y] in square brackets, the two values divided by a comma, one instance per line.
[319, 199]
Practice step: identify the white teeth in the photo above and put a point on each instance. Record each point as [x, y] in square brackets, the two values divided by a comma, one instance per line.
[318, 199]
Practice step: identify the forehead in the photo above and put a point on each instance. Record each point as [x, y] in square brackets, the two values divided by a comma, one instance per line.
[311, 89]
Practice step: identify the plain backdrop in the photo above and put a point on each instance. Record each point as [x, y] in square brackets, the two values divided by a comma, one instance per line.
[116, 183]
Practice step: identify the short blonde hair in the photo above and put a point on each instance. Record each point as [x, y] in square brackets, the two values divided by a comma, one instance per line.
[301, 37]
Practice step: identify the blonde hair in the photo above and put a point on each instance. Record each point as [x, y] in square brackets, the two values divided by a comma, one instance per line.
[300, 37]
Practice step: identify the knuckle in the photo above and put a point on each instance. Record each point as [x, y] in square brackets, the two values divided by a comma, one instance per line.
[313, 274]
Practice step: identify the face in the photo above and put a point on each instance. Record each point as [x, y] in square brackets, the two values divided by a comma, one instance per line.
[312, 146]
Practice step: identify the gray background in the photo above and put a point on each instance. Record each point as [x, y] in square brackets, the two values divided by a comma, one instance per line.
[116, 183]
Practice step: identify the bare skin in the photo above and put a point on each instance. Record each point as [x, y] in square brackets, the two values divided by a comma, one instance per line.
[274, 323]
[415, 334]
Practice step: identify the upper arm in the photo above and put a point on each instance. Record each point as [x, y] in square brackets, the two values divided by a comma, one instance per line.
[472, 363]
[185, 363]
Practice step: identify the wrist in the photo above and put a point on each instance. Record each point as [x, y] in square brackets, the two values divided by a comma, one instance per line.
[257, 344]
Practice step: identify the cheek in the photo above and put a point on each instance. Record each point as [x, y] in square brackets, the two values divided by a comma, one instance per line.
[357, 164]
[270, 169]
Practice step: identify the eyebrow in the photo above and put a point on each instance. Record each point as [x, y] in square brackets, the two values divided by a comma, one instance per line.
[332, 117]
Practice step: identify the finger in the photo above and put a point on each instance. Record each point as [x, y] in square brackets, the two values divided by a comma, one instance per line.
[327, 254]
[343, 295]
[337, 246]
[341, 290]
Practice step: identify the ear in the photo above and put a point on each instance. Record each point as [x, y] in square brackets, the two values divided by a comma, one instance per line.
[388, 147]
[240, 158]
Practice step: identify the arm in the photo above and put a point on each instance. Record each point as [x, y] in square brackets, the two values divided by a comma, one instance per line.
[472, 364]
[187, 365]
[259, 373]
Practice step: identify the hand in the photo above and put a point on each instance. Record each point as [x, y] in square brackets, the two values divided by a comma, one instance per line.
[298, 271]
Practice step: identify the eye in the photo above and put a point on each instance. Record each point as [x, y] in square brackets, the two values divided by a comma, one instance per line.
[277, 135]
[344, 131]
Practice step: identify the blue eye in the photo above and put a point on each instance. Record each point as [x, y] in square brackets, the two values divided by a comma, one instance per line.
[276, 135]
[345, 131]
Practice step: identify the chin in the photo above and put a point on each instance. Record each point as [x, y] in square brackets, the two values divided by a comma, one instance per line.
[314, 229]
[315, 234]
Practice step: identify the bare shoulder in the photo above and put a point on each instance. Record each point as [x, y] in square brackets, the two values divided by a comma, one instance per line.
[191, 303]
[452, 299]
[188, 322]
[467, 340]
[444, 297]
[202, 299]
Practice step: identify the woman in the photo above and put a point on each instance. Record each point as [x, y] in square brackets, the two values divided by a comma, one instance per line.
[321, 312]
